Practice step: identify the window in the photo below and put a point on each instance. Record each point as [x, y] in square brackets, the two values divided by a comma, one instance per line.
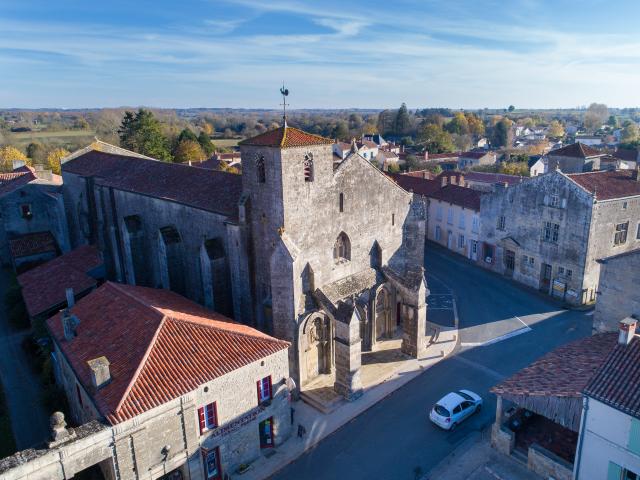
[266, 433]
[261, 174]
[460, 241]
[207, 417]
[501, 222]
[555, 201]
[211, 460]
[624, 206]
[532, 261]
[450, 216]
[25, 211]
[550, 232]
[568, 273]
[308, 167]
[438, 233]
[461, 220]
[560, 270]
[341, 202]
[342, 248]
[475, 224]
[620, 236]
[264, 389]
[439, 213]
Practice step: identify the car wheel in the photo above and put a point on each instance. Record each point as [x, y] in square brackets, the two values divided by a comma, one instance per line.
[453, 426]
[478, 408]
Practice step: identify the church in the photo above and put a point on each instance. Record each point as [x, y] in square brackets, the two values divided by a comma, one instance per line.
[324, 252]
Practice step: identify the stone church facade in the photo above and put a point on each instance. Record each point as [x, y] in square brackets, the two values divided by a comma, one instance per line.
[326, 255]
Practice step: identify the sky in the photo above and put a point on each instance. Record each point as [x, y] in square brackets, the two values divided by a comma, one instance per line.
[330, 53]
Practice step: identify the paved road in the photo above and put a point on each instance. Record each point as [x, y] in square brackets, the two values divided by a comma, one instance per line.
[22, 387]
[394, 438]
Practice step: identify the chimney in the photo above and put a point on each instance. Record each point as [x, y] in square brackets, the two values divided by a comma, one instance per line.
[100, 374]
[41, 172]
[627, 330]
[69, 324]
[70, 297]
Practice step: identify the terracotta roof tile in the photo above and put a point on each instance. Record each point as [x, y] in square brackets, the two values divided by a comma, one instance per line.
[33, 244]
[576, 150]
[286, 137]
[11, 181]
[44, 286]
[609, 184]
[209, 190]
[457, 195]
[617, 382]
[159, 345]
[421, 186]
[493, 177]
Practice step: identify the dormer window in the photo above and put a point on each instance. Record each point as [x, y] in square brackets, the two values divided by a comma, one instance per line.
[308, 167]
[261, 174]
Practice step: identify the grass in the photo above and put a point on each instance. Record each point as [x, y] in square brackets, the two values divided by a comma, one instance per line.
[7, 442]
[225, 142]
[62, 137]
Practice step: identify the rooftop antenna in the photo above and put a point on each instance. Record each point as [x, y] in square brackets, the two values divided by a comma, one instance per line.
[285, 93]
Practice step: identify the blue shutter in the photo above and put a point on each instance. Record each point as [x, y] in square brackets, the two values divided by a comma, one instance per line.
[614, 472]
[634, 436]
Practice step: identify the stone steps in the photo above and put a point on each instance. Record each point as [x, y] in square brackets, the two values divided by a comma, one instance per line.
[322, 405]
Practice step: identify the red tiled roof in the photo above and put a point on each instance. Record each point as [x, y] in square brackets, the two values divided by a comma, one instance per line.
[493, 177]
[44, 286]
[421, 174]
[212, 190]
[286, 137]
[32, 244]
[576, 150]
[609, 184]
[159, 345]
[457, 195]
[11, 181]
[563, 372]
[421, 186]
[440, 156]
[617, 382]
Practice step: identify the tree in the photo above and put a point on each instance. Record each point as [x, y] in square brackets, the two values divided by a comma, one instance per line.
[188, 151]
[413, 163]
[462, 142]
[207, 128]
[386, 122]
[595, 116]
[8, 155]
[612, 121]
[36, 152]
[341, 131]
[476, 126]
[205, 142]
[515, 168]
[556, 130]
[393, 168]
[502, 135]
[433, 168]
[435, 139]
[511, 108]
[403, 121]
[187, 134]
[54, 159]
[458, 124]
[630, 133]
[142, 133]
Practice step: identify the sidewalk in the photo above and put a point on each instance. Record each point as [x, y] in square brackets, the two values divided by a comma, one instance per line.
[474, 459]
[319, 426]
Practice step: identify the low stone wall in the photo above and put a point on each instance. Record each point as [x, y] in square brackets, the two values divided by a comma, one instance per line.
[547, 464]
[502, 439]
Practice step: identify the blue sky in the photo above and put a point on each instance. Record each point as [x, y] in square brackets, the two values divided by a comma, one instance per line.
[330, 53]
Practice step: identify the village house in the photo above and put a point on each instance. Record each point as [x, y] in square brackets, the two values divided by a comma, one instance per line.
[32, 223]
[537, 165]
[366, 148]
[385, 159]
[589, 140]
[466, 160]
[549, 231]
[191, 394]
[323, 252]
[574, 158]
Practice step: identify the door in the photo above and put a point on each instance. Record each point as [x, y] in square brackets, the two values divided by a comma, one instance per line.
[467, 408]
[474, 250]
[509, 262]
[449, 239]
[545, 277]
[211, 460]
[266, 433]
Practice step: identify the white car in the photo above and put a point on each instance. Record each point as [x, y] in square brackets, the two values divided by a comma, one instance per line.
[454, 407]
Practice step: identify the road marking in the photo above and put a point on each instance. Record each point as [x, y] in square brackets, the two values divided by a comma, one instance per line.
[589, 313]
[492, 373]
[506, 336]
[518, 318]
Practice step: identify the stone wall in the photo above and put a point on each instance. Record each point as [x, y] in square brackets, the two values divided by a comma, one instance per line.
[547, 464]
[617, 291]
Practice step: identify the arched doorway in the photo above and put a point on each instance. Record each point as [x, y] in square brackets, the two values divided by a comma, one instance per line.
[383, 314]
[315, 348]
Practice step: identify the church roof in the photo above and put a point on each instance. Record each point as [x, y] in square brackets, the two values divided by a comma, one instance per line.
[286, 137]
[159, 346]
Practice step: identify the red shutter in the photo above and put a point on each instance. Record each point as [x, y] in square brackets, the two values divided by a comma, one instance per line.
[211, 415]
[258, 385]
[201, 420]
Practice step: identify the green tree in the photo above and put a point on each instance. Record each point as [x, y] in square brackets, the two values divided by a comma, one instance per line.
[187, 134]
[476, 126]
[435, 139]
[511, 108]
[595, 116]
[341, 131]
[188, 151]
[142, 133]
[556, 130]
[206, 144]
[8, 155]
[36, 152]
[403, 121]
[458, 124]
[386, 122]
[630, 133]
[502, 135]
[612, 121]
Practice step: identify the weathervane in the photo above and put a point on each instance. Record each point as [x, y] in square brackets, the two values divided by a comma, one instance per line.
[285, 93]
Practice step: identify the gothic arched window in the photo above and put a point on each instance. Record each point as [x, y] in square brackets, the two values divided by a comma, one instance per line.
[261, 174]
[342, 248]
[308, 167]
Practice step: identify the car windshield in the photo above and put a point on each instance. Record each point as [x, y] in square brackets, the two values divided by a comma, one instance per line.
[466, 396]
[440, 410]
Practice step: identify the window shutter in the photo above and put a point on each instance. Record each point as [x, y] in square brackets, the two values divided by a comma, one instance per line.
[269, 392]
[634, 436]
[201, 420]
[211, 415]
[546, 199]
[258, 385]
[614, 472]
[564, 203]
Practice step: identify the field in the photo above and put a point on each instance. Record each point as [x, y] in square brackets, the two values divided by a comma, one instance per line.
[62, 138]
[226, 142]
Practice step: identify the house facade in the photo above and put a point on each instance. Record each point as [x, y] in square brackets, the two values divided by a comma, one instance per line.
[549, 232]
[574, 158]
[192, 394]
